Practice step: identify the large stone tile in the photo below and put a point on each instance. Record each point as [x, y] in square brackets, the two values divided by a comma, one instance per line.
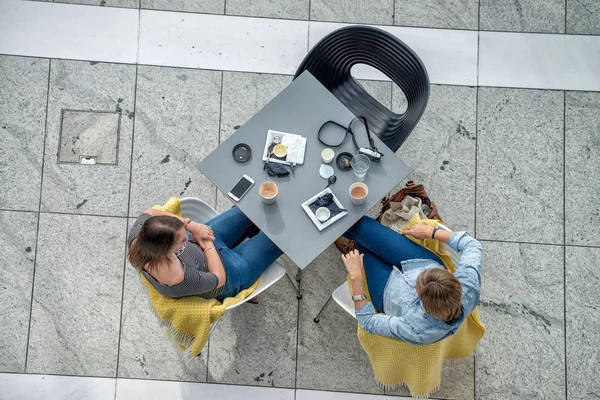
[108, 3]
[289, 9]
[583, 17]
[520, 165]
[88, 189]
[255, 344]
[204, 6]
[23, 95]
[522, 15]
[461, 14]
[329, 354]
[77, 295]
[583, 322]
[145, 351]
[362, 11]
[441, 149]
[42, 387]
[582, 165]
[17, 245]
[177, 125]
[522, 353]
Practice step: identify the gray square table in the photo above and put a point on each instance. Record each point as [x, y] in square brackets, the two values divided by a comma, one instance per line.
[301, 108]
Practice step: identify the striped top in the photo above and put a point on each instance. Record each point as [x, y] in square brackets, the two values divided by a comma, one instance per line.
[197, 280]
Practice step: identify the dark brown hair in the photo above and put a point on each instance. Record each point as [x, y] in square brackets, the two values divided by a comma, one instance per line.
[155, 239]
[440, 293]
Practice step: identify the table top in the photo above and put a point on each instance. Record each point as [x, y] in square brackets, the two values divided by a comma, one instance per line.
[301, 108]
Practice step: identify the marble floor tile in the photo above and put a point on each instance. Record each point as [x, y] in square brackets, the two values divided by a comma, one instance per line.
[583, 322]
[157, 390]
[85, 33]
[461, 14]
[204, 6]
[176, 126]
[42, 387]
[362, 11]
[17, 245]
[441, 149]
[582, 164]
[108, 3]
[222, 42]
[77, 295]
[329, 354]
[289, 9]
[23, 95]
[522, 16]
[526, 60]
[583, 17]
[520, 165]
[255, 344]
[522, 354]
[145, 350]
[89, 134]
[88, 189]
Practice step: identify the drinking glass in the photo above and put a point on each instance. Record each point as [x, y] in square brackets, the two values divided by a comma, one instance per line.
[360, 165]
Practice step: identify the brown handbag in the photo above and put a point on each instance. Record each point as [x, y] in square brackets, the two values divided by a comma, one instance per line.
[414, 190]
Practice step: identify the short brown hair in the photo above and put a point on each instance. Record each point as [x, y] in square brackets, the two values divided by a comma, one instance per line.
[440, 293]
[155, 239]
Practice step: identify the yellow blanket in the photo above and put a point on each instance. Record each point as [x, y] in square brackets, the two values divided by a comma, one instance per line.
[188, 319]
[396, 363]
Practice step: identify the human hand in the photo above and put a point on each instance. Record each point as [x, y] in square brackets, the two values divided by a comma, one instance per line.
[201, 232]
[419, 231]
[354, 264]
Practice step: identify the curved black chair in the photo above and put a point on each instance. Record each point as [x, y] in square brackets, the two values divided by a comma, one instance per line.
[332, 58]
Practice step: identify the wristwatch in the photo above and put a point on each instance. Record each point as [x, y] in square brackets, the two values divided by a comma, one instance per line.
[359, 297]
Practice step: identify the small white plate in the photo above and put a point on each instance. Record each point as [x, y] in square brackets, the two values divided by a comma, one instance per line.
[322, 225]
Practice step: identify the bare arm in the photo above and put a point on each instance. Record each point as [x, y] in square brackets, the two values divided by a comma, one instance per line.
[215, 265]
[354, 265]
[421, 231]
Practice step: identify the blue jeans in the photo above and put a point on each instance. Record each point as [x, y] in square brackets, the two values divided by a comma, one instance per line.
[383, 247]
[244, 262]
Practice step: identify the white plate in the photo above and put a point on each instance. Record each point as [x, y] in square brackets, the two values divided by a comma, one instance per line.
[322, 225]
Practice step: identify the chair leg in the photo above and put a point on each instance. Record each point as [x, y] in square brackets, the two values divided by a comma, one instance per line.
[322, 309]
[212, 327]
[297, 289]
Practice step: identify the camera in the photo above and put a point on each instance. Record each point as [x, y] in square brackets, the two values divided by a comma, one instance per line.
[373, 155]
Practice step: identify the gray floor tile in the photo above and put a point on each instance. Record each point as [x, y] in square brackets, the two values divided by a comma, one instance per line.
[361, 11]
[582, 165]
[441, 149]
[145, 351]
[583, 17]
[108, 3]
[522, 15]
[23, 95]
[583, 323]
[522, 353]
[17, 244]
[289, 9]
[255, 344]
[520, 165]
[204, 6]
[329, 354]
[244, 94]
[455, 14]
[77, 295]
[88, 189]
[177, 124]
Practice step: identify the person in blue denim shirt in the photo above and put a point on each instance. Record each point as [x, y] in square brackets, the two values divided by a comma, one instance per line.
[414, 298]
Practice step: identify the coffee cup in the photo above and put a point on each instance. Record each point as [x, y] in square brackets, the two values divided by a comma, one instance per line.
[327, 155]
[268, 191]
[358, 192]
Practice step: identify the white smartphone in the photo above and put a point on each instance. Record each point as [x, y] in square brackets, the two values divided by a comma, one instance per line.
[241, 188]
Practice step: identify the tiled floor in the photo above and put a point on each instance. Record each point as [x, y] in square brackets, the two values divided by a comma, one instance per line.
[509, 148]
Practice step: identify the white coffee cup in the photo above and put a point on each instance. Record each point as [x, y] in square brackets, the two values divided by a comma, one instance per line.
[327, 155]
[358, 192]
[268, 192]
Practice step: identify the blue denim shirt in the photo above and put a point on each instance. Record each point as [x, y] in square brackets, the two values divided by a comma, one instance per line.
[405, 318]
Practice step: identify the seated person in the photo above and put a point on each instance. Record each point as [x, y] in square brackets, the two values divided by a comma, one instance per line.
[213, 264]
[421, 301]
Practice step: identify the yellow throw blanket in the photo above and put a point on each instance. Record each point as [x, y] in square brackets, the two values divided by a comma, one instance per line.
[397, 363]
[188, 319]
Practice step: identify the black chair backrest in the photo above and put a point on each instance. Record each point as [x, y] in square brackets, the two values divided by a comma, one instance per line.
[331, 60]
